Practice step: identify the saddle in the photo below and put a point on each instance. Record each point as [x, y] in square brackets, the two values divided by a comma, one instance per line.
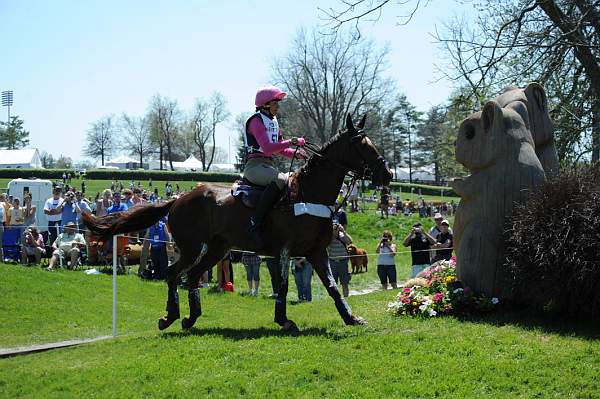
[249, 193]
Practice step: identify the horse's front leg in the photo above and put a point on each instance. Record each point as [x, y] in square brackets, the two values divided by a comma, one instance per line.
[320, 264]
[281, 300]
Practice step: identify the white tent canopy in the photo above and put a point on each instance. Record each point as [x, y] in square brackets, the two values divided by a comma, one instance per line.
[190, 163]
[124, 162]
[424, 173]
[26, 158]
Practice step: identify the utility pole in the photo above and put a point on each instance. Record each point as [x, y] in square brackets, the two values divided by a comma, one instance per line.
[7, 101]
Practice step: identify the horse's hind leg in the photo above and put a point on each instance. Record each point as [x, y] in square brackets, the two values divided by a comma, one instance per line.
[212, 254]
[281, 301]
[320, 264]
[173, 273]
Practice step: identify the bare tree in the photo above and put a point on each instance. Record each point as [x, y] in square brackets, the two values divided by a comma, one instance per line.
[164, 121]
[136, 137]
[205, 118]
[556, 43]
[100, 139]
[329, 78]
[353, 12]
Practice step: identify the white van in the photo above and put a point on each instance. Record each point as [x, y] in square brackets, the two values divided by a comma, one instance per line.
[40, 191]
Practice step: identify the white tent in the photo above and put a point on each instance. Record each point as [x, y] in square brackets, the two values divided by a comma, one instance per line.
[424, 174]
[124, 162]
[223, 167]
[26, 158]
[191, 163]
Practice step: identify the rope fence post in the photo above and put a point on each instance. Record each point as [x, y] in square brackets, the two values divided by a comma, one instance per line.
[114, 307]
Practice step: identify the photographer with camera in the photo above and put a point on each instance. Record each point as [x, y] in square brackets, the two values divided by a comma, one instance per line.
[419, 241]
[68, 214]
[386, 263]
[33, 245]
[338, 256]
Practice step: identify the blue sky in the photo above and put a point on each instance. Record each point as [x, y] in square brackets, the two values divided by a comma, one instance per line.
[71, 62]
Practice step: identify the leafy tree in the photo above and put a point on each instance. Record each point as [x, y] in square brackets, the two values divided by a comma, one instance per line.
[101, 139]
[435, 143]
[13, 135]
[400, 123]
[63, 162]
[47, 160]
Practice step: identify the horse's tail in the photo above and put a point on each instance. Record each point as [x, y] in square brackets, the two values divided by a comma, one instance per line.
[137, 219]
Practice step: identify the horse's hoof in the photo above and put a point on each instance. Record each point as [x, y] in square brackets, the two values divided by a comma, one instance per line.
[187, 323]
[166, 321]
[357, 321]
[290, 327]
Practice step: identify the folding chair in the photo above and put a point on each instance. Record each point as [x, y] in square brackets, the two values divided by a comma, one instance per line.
[10, 244]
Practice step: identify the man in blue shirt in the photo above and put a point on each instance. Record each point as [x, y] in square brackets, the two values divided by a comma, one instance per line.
[159, 236]
[117, 206]
[68, 210]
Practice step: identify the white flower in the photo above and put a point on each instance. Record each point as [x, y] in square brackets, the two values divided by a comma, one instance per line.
[423, 307]
[495, 301]
[456, 291]
[432, 313]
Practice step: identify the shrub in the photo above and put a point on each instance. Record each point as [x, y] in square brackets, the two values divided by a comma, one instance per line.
[553, 244]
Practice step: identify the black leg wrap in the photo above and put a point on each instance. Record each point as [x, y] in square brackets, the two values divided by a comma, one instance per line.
[280, 303]
[173, 302]
[194, 301]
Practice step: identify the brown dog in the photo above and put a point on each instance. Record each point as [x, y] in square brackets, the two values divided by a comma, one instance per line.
[358, 261]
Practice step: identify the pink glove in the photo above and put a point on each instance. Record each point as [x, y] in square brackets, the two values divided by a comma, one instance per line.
[301, 142]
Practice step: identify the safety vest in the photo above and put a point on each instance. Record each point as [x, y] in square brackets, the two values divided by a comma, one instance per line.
[272, 128]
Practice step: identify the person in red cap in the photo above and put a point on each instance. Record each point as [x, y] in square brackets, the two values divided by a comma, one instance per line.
[262, 140]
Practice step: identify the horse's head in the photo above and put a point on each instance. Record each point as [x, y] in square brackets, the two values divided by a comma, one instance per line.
[363, 156]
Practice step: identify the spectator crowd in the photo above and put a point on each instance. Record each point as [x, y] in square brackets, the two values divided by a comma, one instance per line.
[66, 242]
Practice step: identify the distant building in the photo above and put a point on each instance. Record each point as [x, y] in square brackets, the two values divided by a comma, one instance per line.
[21, 159]
[124, 162]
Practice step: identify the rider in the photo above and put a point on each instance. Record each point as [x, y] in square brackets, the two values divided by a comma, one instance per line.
[262, 140]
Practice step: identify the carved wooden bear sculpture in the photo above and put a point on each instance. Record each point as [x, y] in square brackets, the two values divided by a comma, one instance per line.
[497, 147]
[538, 123]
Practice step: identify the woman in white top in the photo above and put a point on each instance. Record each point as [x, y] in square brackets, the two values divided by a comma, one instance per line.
[103, 204]
[386, 262]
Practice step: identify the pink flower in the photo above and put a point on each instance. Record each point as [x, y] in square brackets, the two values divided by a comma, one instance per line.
[453, 260]
[438, 296]
[406, 290]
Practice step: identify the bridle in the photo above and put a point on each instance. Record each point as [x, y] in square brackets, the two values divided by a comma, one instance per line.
[365, 173]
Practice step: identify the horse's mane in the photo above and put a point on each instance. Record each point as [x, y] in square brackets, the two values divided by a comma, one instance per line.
[314, 159]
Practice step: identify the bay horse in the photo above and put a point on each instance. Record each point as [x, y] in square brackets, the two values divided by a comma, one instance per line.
[205, 228]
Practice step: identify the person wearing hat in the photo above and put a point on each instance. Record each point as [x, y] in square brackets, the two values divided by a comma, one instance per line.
[419, 241]
[436, 230]
[67, 246]
[444, 243]
[262, 140]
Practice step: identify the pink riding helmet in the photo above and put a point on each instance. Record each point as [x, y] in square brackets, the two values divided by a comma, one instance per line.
[266, 94]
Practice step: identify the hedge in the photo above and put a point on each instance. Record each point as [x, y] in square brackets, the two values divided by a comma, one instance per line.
[29, 173]
[118, 174]
[114, 174]
[425, 189]
[161, 175]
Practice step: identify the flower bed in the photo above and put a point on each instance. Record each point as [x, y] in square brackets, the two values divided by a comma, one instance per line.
[436, 292]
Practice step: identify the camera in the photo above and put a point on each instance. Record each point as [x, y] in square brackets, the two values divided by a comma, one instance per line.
[384, 239]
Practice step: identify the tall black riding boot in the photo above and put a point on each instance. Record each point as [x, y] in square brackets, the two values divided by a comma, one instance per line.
[267, 200]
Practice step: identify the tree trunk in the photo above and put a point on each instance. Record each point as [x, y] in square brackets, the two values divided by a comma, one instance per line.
[160, 149]
[596, 131]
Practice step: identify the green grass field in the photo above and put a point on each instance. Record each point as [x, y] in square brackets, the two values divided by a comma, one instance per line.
[236, 350]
